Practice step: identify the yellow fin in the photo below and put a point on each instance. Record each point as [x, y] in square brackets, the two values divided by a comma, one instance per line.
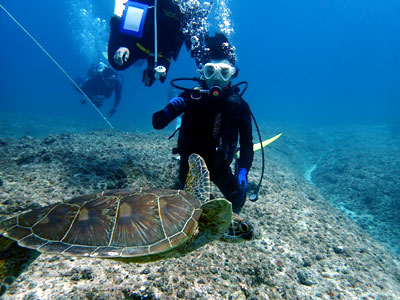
[257, 146]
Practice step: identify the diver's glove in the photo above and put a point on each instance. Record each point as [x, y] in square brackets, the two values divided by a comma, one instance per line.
[242, 178]
[176, 105]
[121, 56]
[112, 112]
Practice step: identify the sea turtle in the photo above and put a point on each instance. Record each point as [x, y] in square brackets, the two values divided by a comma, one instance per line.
[125, 224]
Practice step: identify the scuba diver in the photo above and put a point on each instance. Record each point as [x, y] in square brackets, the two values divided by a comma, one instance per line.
[214, 117]
[135, 35]
[101, 83]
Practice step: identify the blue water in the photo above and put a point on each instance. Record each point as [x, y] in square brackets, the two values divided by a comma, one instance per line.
[312, 62]
[307, 62]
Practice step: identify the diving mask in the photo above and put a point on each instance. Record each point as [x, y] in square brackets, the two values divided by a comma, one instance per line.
[218, 71]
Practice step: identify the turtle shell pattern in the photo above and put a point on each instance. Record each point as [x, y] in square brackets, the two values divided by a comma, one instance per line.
[112, 224]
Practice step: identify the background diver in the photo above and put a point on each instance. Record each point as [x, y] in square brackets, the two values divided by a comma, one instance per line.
[212, 123]
[101, 83]
[126, 46]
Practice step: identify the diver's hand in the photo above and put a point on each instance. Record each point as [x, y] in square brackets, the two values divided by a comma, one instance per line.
[112, 112]
[242, 178]
[121, 56]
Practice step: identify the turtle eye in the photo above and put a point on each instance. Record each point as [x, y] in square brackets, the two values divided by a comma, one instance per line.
[244, 227]
[247, 231]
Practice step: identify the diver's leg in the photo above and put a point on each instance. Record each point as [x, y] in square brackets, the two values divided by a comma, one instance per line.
[228, 185]
[183, 169]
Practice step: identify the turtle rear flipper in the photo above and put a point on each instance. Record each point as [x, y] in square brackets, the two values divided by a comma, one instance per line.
[13, 261]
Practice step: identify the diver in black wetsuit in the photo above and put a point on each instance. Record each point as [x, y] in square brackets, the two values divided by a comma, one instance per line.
[101, 83]
[124, 49]
[212, 123]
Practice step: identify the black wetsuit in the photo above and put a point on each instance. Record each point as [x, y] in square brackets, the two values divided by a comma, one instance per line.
[99, 87]
[169, 37]
[211, 128]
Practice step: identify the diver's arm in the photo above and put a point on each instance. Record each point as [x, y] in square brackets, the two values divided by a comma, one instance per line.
[117, 41]
[160, 120]
[246, 137]
[174, 108]
[118, 92]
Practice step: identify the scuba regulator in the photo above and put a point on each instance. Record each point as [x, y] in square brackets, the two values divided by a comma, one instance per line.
[216, 91]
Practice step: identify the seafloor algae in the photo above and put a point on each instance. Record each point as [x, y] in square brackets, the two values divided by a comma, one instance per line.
[303, 249]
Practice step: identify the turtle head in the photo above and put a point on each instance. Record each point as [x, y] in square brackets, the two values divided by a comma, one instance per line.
[240, 231]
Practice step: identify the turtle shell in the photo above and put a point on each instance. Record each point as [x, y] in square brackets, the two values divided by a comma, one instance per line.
[112, 224]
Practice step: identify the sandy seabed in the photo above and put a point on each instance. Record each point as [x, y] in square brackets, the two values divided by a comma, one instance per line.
[304, 248]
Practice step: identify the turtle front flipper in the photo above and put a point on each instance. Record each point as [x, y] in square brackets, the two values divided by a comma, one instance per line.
[13, 261]
[214, 221]
[198, 178]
